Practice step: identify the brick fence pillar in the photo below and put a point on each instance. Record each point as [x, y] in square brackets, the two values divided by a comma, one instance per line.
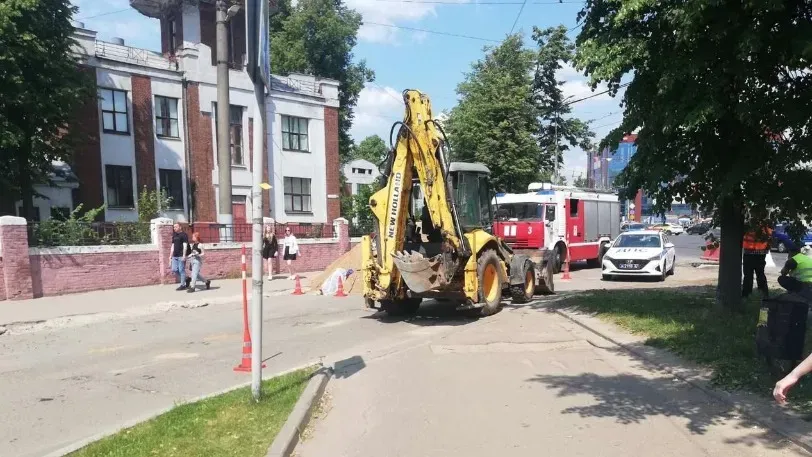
[342, 230]
[16, 263]
[161, 230]
[270, 222]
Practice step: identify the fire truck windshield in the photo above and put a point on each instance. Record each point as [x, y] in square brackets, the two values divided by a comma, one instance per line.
[520, 211]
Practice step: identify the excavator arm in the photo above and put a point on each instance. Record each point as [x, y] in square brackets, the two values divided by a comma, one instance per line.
[419, 147]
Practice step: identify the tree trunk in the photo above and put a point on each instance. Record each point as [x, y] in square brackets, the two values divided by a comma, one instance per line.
[26, 185]
[729, 286]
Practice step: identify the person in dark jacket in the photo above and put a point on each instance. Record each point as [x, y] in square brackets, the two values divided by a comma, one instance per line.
[270, 247]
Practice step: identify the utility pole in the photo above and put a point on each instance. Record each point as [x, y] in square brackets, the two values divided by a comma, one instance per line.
[257, 21]
[224, 213]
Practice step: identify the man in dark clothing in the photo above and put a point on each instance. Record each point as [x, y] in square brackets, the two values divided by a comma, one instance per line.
[180, 246]
[756, 245]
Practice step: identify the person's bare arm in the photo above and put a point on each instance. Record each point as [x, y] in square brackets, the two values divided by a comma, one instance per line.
[783, 386]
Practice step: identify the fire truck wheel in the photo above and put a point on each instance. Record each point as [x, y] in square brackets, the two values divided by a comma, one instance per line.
[523, 293]
[401, 307]
[559, 258]
[489, 277]
[546, 285]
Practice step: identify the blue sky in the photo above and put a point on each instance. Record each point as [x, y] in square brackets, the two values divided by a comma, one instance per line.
[403, 58]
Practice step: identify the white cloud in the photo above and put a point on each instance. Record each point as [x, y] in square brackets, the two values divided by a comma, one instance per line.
[378, 108]
[389, 14]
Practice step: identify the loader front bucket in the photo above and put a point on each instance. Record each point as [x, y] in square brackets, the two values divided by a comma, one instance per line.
[421, 274]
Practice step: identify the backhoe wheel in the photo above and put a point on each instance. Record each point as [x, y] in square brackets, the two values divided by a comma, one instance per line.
[523, 293]
[401, 306]
[489, 274]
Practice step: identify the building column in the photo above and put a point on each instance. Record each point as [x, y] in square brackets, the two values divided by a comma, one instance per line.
[16, 263]
[143, 133]
[86, 162]
[333, 162]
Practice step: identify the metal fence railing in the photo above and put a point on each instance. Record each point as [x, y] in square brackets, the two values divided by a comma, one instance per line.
[79, 233]
[359, 230]
[242, 232]
[306, 231]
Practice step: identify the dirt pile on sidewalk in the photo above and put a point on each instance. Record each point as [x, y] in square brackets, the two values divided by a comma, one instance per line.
[350, 260]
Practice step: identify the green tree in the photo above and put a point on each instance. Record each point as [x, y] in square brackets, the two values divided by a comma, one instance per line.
[720, 96]
[41, 89]
[317, 37]
[559, 130]
[496, 121]
[581, 181]
[371, 148]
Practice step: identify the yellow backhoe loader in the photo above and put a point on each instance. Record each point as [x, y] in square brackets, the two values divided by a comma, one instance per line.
[446, 252]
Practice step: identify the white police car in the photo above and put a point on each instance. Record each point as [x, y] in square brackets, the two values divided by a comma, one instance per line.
[645, 253]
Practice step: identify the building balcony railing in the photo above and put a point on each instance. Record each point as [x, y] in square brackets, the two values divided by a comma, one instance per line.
[128, 54]
[283, 84]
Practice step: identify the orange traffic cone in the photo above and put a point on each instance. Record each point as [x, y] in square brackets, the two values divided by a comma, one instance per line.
[298, 289]
[566, 274]
[245, 363]
[340, 291]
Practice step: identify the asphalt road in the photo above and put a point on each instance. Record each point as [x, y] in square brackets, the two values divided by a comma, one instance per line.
[70, 381]
[689, 247]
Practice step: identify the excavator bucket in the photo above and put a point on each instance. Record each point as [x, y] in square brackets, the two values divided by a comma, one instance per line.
[420, 274]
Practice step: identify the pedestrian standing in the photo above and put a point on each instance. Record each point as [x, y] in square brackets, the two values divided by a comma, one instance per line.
[196, 257]
[177, 259]
[291, 250]
[756, 245]
[270, 248]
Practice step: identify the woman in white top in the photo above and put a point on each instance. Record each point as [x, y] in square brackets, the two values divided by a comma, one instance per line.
[291, 250]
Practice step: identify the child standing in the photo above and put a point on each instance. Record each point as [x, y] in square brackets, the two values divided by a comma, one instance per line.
[291, 250]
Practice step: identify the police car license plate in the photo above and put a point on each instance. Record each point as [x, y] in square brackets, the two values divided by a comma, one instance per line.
[629, 266]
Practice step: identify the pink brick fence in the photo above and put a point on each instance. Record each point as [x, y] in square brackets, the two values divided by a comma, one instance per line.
[36, 272]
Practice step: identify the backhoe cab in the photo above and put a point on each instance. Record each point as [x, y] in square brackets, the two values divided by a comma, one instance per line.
[446, 251]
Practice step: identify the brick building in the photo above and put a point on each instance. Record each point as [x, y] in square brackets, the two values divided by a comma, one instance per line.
[153, 126]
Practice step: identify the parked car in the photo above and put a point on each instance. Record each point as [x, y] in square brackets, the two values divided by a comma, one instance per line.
[781, 241]
[698, 229]
[632, 226]
[668, 229]
[646, 253]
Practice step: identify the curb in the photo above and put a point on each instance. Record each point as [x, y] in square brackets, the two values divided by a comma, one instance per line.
[751, 412]
[131, 423]
[288, 437]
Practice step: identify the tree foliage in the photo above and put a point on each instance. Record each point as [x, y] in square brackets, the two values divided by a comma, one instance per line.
[581, 181]
[41, 89]
[317, 37]
[720, 96]
[496, 122]
[371, 148]
[559, 130]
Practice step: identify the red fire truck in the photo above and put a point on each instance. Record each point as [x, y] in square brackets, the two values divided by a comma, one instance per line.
[555, 218]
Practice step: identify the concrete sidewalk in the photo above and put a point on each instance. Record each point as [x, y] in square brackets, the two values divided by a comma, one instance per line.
[103, 304]
[525, 382]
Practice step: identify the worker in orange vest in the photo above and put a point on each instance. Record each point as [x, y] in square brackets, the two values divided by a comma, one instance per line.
[756, 245]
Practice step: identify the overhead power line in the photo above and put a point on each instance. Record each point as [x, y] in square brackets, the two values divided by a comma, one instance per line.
[516, 21]
[594, 95]
[435, 32]
[105, 14]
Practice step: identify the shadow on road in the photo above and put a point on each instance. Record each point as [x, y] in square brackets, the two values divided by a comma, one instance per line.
[345, 368]
[431, 312]
[633, 399]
